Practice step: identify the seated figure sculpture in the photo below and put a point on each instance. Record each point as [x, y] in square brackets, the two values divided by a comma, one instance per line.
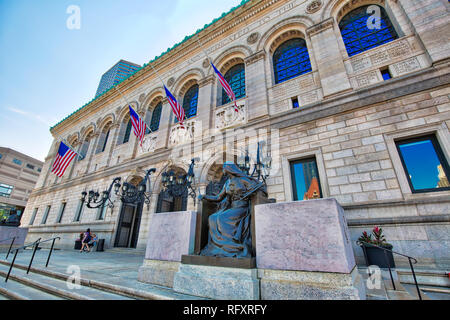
[229, 232]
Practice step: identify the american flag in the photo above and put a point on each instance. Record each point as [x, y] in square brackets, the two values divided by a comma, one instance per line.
[226, 87]
[63, 158]
[139, 126]
[176, 107]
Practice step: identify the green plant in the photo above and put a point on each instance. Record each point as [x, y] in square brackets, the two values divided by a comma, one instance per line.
[378, 237]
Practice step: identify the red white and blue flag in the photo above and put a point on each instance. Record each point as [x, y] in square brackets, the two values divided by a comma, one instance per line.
[226, 86]
[176, 107]
[63, 158]
[139, 126]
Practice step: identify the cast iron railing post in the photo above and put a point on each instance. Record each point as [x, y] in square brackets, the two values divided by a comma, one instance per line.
[32, 256]
[9, 250]
[389, 266]
[415, 280]
[50, 253]
[10, 268]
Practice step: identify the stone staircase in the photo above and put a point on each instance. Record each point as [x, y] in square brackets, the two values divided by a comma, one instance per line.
[386, 290]
[42, 284]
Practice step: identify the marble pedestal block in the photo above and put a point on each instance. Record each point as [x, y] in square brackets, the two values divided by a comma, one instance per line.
[170, 236]
[9, 232]
[217, 282]
[305, 248]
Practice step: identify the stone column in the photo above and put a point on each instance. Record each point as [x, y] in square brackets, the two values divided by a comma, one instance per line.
[332, 72]
[114, 133]
[164, 126]
[430, 22]
[91, 150]
[205, 102]
[256, 86]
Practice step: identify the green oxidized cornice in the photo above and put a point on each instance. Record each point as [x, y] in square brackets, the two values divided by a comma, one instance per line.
[156, 58]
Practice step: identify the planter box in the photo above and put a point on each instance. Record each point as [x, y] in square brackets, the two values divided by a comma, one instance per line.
[377, 257]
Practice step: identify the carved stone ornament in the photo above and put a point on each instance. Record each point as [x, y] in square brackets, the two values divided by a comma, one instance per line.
[205, 63]
[228, 117]
[170, 82]
[253, 38]
[142, 98]
[149, 144]
[314, 6]
[179, 135]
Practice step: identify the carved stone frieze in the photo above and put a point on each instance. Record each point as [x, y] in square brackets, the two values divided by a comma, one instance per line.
[227, 117]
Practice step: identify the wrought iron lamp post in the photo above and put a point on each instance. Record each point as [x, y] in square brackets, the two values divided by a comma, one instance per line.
[262, 165]
[177, 186]
[127, 192]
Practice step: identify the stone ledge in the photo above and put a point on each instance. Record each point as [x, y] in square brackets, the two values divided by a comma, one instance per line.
[219, 262]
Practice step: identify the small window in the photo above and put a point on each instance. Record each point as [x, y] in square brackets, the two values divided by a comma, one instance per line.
[44, 218]
[17, 161]
[39, 169]
[1, 156]
[295, 103]
[61, 212]
[386, 74]
[33, 216]
[126, 137]
[424, 163]
[30, 166]
[78, 212]
[5, 190]
[102, 212]
[305, 180]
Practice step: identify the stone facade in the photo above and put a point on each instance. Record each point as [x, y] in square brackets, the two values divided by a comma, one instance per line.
[349, 120]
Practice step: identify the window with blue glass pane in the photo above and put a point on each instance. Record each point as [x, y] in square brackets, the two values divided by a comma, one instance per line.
[305, 180]
[358, 37]
[425, 165]
[190, 102]
[290, 60]
[236, 79]
[126, 137]
[156, 117]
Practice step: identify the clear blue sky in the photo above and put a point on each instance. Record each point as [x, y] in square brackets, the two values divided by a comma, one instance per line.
[48, 71]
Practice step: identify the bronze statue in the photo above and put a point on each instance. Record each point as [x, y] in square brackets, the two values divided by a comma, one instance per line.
[229, 232]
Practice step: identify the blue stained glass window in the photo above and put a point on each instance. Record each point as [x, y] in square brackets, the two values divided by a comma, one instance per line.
[358, 37]
[190, 102]
[290, 60]
[236, 78]
[425, 165]
[126, 137]
[156, 117]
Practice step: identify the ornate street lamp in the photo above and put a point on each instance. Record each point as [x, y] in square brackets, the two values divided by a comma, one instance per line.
[127, 192]
[262, 165]
[177, 186]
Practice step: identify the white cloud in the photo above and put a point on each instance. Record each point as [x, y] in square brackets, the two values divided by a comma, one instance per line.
[33, 116]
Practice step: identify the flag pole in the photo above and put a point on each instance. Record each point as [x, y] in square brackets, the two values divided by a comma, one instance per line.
[210, 62]
[129, 104]
[162, 81]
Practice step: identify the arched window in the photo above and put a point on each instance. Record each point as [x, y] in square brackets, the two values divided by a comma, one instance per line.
[360, 35]
[156, 117]
[236, 78]
[290, 60]
[126, 136]
[190, 102]
[103, 141]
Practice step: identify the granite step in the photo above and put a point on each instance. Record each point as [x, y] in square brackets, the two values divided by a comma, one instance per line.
[14, 290]
[57, 287]
[124, 287]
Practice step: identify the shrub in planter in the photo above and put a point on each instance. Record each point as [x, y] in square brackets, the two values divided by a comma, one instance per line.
[376, 256]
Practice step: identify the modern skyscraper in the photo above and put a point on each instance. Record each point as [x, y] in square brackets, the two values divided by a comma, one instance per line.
[116, 74]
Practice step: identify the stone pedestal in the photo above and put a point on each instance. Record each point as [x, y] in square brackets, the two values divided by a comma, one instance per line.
[303, 251]
[170, 236]
[221, 283]
[9, 232]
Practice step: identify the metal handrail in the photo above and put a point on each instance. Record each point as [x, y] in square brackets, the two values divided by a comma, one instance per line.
[10, 246]
[363, 244]
[35, 247]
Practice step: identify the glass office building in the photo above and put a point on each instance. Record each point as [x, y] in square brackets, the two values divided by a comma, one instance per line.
[116, 74]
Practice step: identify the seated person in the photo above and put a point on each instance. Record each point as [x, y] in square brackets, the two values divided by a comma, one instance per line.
[94, 240]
